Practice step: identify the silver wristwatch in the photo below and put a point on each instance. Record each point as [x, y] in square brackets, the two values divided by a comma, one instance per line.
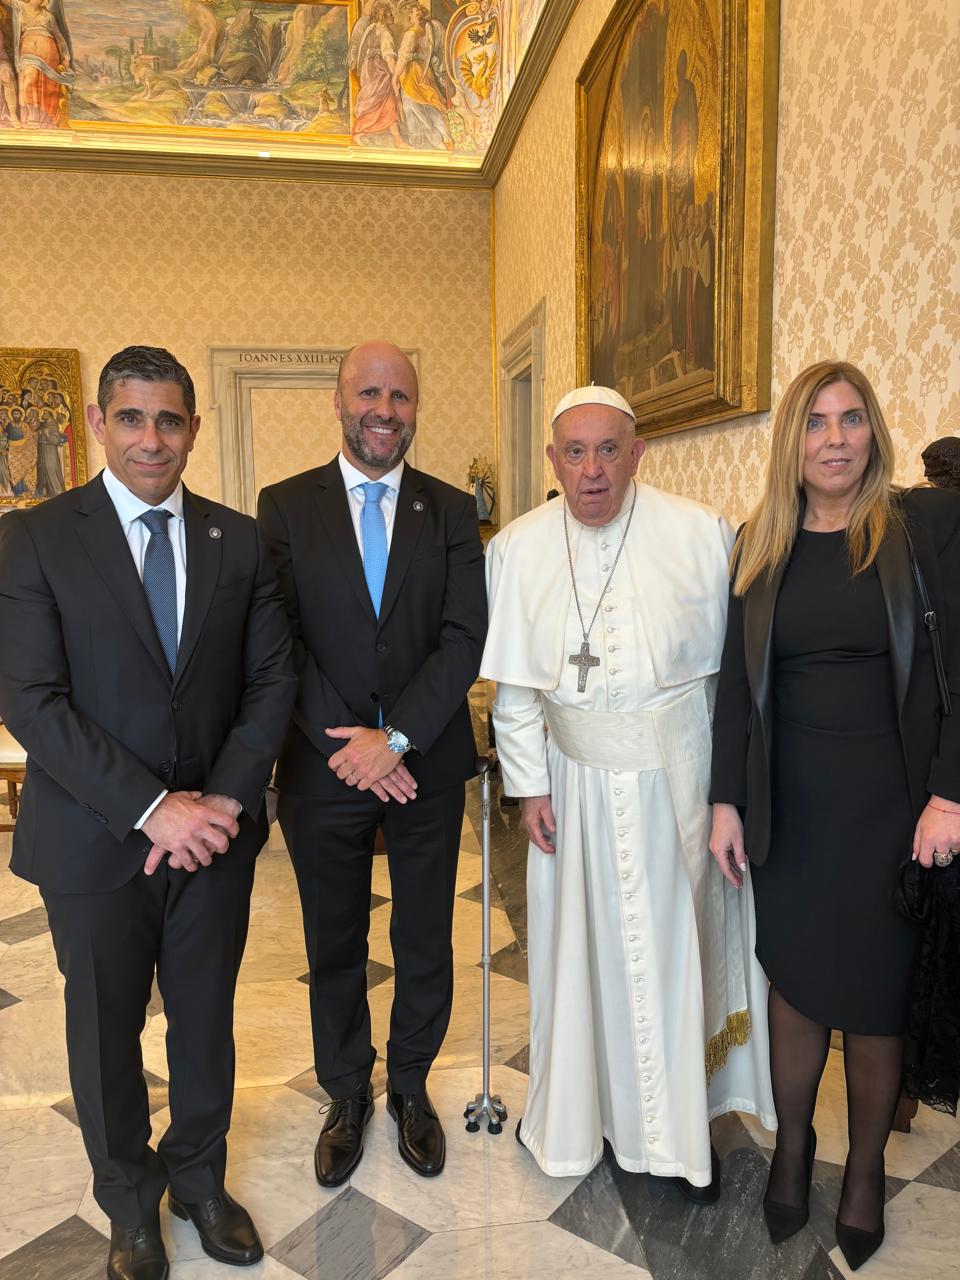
[397, 741]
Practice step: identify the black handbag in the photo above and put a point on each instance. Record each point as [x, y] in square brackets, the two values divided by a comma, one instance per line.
[931, 1069]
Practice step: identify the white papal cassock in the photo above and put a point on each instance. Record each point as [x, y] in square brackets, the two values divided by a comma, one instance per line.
[643, 983]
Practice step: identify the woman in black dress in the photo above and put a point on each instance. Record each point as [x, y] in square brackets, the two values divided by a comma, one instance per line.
[833, 766]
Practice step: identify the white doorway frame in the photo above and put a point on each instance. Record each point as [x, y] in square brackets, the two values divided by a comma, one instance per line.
[235, 373]
[521, 444]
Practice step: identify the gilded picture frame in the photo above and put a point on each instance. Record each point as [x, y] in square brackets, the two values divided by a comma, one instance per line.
[676, 181]
[42, 443]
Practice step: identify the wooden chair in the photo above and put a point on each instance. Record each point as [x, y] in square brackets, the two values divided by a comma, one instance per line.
[13, 764]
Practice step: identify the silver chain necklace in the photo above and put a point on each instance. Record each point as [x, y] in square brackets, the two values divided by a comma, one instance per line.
[585, 659]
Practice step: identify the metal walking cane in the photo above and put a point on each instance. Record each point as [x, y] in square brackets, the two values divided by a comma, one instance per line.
[485, 1103]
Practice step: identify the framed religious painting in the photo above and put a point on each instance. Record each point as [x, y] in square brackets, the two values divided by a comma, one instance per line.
[42, 445]
[676, 182]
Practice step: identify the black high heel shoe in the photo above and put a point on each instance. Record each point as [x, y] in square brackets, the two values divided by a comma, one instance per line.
[856, 1244]
[785, 1220]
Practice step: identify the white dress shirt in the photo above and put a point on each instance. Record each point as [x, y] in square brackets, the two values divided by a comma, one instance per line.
[129, 508]
[353, 479]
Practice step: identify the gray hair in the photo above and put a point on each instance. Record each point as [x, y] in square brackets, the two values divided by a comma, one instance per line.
[144, 364]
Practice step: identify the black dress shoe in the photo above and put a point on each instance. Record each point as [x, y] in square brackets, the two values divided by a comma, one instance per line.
[137, 1253]
[704, 1195]
[340, 1144]
[225, 1229]
[858, 1245]
[419, 1133]
[785, 1220]
[519, 1139]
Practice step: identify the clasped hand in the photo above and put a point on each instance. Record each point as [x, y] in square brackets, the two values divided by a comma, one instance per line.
[367, 763]
[188, 828]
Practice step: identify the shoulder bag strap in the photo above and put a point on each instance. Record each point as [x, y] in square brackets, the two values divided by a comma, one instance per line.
[930, 622]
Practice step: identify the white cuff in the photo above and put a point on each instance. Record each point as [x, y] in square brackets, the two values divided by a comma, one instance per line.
[147, 812]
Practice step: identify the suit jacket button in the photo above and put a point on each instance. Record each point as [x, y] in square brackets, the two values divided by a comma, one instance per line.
[165, 766]
[382, 648]
[374, 697]
[178, 704]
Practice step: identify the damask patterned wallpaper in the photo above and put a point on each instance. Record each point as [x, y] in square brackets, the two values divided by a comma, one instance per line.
[868, 227]
[96, 262]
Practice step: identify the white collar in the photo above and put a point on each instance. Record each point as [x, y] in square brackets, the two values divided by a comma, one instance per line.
[130, 507]
[352, 477]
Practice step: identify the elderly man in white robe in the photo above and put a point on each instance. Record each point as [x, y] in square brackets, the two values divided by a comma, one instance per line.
[607, 615]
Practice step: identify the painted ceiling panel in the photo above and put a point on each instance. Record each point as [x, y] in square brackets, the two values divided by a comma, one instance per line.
[373, 81]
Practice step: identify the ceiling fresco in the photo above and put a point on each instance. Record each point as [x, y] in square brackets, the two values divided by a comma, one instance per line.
[385, 81]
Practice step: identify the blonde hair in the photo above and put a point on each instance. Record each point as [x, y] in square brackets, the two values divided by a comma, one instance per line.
[767, 538]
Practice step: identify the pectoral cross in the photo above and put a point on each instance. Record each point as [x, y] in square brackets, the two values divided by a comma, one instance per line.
[584, 660]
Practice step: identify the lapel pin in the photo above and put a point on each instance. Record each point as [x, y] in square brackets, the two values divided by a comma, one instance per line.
[215, 532]
[418, 505]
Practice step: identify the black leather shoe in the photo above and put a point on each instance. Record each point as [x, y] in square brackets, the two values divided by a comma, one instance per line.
[519, 1139]
[225, 1229]
[340, 1144]
[419, 1133]
[137, 1253]
[785, 1220]
[704, 1195]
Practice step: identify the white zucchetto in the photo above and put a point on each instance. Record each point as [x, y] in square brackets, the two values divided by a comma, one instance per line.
[593, 395]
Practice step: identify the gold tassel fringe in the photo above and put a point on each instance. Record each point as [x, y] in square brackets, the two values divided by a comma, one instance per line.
[736, 1032]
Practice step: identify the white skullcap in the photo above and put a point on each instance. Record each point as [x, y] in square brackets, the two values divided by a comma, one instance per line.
[593, 395]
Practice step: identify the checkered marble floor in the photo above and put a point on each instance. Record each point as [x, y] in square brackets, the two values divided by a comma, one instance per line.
[492, 1215]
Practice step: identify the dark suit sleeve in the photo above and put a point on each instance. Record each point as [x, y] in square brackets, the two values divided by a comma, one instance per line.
[944, 777]
[317, 702]
[95, 768]
[731, 717]
[429, 701]
[242, 767]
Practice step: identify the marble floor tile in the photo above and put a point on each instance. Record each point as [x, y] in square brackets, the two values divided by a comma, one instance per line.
[16, 896]
[72, 1250]
[944, 1172]
[353, 1239]
[725, 1241]
[524, 1251]
[7, 999]
[27, 924]
[33, 1054]
[207, 1269]
[271, 1030]
[376, 973]
[510, 1022]
[595, 1212]
[306, 1083]
[510, 962]
[922, 1239]
[487, 1180]
[467, 922]
[475, 894]
[907, 1154]
[520, 1060]
[43, 1172]
[269, 1170]
[30, 968]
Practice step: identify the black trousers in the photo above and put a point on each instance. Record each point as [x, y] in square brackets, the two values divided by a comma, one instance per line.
[331, 844]
[190, 928]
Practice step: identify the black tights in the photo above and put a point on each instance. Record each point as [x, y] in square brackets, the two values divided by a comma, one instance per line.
[873, 1067]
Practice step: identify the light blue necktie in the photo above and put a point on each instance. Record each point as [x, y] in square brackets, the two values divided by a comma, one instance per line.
[373, 532]
[160, 582]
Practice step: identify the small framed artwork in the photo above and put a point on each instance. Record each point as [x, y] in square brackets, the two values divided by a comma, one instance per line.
[42, 444]
[676, 174]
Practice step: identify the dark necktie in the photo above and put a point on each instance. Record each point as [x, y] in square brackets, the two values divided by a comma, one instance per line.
[160, 582]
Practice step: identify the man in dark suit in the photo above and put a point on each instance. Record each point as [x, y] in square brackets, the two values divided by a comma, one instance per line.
[145, 664]
[382, 570]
